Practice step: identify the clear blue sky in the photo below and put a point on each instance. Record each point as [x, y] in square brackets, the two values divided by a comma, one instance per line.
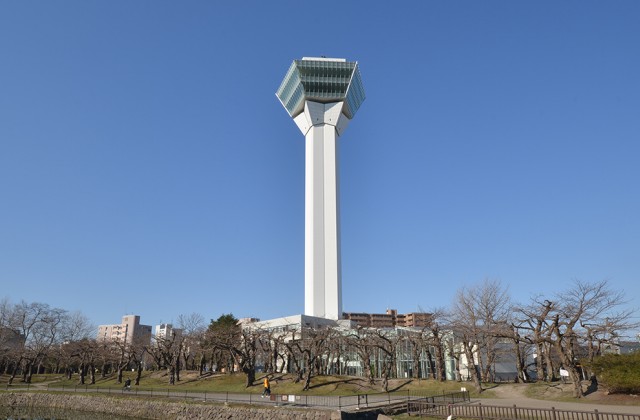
[147, 167]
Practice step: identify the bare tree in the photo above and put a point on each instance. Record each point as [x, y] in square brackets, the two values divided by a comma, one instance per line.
[271, 347]
[226, 336]
[533, 320]
[607, 332]
[295, 356]
[494, 308]
[520, 351]
[121, 357]
[77, 327]
[434, 338]
[312, 346]
[193, 328]
[77, 334]
[361, 340]
[39, 326]
[574, 323]
[11, 341]
[417, 347]
[85, 352]
[466, 321]
[332, 364]
[165, 351]
[585, 303]
[386, 343]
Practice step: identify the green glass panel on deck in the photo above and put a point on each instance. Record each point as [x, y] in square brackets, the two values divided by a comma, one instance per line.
[322, 81]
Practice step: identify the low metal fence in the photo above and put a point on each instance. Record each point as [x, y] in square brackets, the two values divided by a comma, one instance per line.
[425, 408]
[322, 401]
[346, 402]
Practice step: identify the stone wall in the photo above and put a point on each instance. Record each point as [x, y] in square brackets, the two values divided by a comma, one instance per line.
[158, 409]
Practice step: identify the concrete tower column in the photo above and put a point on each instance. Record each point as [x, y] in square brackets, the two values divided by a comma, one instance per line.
[321, 125]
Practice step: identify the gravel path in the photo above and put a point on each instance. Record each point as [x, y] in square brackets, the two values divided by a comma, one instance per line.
[510, 395]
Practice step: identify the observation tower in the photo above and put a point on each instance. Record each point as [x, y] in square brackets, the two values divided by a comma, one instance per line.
[322, 95]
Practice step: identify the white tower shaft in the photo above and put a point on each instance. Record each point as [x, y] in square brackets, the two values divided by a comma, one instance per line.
[321, 125]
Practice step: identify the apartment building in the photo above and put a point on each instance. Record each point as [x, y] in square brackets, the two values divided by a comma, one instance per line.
[389, 319]
[416, 319]
[167, 331]
[129, 331]
[10, 339]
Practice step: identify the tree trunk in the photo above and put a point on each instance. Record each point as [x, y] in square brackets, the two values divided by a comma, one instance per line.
[441, 373]
[365, 361]
[551, 375]
[202, 364]
[251, 377]
[472, 368]
[539, 363]
[28, 372]
[185, 359]
[289, 364]
[415, 369]
[483, 365]
[82, 372]
[307, 380]
[430, 364]
[138, 372]
[25, 371]
[14, 372]
[172, 374]
[521, 375]
[386, 371]
[274, 360]
[369, 372]
[577, 382]
[92, 372]
[567, 357]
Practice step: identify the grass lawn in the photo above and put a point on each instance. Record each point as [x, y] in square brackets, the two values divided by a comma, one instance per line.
[35, 379]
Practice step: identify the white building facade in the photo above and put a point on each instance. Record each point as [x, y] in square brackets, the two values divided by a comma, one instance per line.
[166, 331]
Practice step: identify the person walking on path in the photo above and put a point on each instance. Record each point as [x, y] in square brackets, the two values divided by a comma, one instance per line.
[267, 387]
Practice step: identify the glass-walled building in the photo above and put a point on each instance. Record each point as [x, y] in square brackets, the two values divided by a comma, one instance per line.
[400, 352]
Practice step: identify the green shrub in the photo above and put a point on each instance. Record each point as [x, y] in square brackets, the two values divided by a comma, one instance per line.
[618, 373]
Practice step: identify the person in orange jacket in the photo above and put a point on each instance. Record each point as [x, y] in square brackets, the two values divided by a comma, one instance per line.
[267, 387]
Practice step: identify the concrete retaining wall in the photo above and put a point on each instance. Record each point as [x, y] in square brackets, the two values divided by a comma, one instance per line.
[158, 409]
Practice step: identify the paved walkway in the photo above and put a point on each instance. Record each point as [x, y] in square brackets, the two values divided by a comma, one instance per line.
[513, 394]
